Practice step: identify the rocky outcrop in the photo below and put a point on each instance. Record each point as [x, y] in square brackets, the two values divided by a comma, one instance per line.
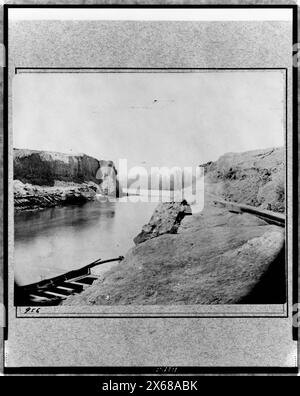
[254, 178]
[28, 197]
[45, 168]
[216, 257]
[165, 220]
[45, 179]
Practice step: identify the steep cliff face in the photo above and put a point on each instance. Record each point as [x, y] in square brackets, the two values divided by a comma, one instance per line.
[254, 178]
[43, 168]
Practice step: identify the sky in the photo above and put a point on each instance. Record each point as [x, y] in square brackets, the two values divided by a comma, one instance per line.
[150, 119]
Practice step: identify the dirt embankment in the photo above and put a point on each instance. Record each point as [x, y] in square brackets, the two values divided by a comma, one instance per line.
[216, 257]
[254, 178]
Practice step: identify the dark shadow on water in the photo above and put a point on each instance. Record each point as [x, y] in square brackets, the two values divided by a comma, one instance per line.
[272, 287]
[29, 224]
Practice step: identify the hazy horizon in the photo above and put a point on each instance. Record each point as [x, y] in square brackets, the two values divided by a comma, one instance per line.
[151, 119]
[107, 159]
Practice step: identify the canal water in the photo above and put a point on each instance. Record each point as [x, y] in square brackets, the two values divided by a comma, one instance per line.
[60, 239]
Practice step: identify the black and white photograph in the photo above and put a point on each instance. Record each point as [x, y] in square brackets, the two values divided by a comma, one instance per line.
[149, 187]
[150, 194]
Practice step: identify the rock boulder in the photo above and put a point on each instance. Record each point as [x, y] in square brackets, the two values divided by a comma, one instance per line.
[165, 220]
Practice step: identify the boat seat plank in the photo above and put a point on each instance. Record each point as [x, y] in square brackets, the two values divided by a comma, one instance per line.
[41, 293]
[75, 287]
[78, 283]
[70, 289]
[60, 291]
[40, 298]
[56, 294]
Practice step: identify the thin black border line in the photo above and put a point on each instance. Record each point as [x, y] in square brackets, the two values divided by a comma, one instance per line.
[145, 6]
[5, 173]
[295, 268]
[149, 68]
[127, 315]
[148, 315]
[286, 194]
[295, 187]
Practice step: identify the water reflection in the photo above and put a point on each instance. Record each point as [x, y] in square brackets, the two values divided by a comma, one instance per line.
[57, 240]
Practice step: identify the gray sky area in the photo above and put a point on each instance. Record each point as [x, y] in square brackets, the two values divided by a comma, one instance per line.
[151, 119]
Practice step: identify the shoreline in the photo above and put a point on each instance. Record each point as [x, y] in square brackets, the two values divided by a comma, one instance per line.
[34, 198]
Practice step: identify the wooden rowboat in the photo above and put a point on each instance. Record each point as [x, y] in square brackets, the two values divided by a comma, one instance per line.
[54, 290]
